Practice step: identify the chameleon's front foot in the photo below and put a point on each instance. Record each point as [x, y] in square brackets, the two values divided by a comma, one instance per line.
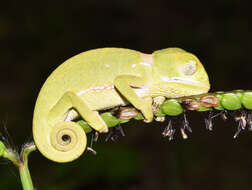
[146, 110]
[148, 114]
[68, 141]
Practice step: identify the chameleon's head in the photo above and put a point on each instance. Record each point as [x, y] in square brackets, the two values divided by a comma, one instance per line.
[178, 73]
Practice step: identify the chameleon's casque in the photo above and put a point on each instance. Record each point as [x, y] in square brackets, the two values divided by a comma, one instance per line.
[101, 79]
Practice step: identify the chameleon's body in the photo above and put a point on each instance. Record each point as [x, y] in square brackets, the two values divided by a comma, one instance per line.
[103, 78]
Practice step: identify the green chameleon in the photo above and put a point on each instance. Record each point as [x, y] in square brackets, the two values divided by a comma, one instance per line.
[104, 78]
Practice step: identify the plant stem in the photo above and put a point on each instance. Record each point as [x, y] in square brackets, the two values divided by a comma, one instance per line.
[12, 156]
[21, 161]
[23, 167]
[25, 177]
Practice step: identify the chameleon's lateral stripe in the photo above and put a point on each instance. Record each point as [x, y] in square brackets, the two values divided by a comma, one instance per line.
[103, 88]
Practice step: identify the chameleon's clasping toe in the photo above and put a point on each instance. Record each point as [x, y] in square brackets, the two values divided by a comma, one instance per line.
[148, 117]
[105, 130]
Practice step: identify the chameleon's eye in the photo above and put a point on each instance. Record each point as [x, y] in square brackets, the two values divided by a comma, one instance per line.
[189, 68]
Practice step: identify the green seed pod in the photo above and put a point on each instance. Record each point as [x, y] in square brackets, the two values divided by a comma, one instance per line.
[239, 94]
[171, 107]
[109, 119]
[2, 148]
[247, 100]
[85, 126]
[231, 102]
[219, 95]
[139, 117]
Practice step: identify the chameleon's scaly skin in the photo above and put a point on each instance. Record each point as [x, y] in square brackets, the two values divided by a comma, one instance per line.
[104, 78]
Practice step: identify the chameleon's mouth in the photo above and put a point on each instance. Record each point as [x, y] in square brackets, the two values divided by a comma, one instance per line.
[185, 81]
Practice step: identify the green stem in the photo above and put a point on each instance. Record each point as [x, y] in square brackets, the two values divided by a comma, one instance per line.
[12, 156]
[21, 161]
[25, 177]
[23, 167]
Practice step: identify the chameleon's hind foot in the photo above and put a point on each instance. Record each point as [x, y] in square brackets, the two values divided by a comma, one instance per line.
[68, 141]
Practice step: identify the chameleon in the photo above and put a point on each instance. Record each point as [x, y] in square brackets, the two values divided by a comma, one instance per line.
[103, 78]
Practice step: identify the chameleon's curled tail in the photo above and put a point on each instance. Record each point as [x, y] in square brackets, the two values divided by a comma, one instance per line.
[63, 142]
[68, 140]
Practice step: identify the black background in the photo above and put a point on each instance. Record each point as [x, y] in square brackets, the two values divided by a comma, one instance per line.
[36, 36]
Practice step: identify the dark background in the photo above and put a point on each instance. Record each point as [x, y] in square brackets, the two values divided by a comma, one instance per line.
[36, 36]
